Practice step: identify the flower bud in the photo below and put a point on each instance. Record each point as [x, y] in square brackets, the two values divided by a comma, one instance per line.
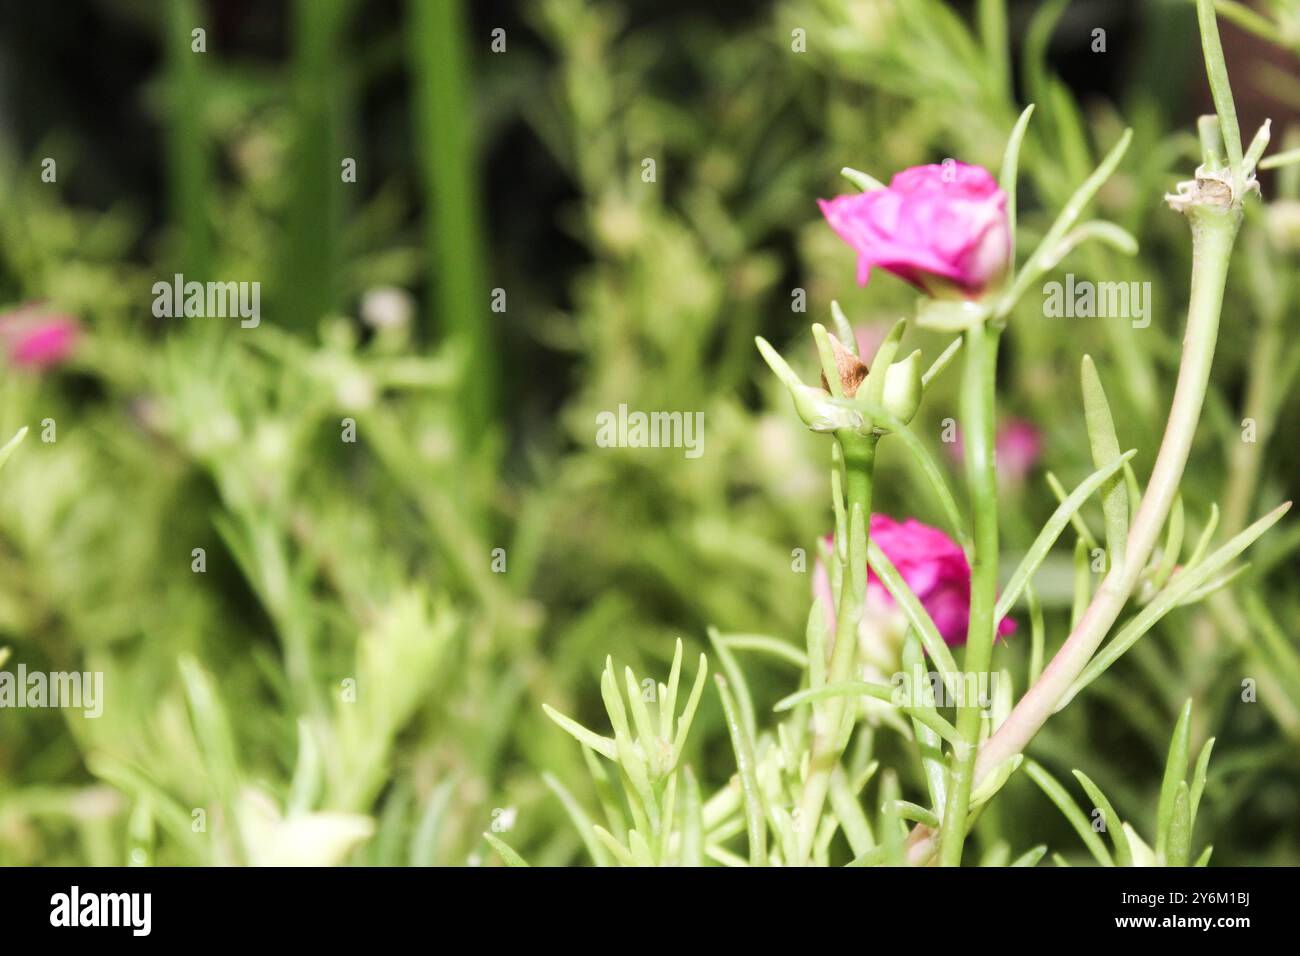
[903, 388]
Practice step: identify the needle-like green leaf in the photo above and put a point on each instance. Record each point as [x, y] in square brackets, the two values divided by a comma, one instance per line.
[1114, 826]
[602, 745]
[1175, 772]
[771, 646]
[743, 745]
[1031, 857]
[506, 851]
[1180, 587]
[1105, 451]
[1011, 167]
[1179, 847]
[1038, 551]
[1216, 69]
[8, 448]
[1198, 778]
[860, 179]
[916, 614]
[1082, 826]
[581, 821]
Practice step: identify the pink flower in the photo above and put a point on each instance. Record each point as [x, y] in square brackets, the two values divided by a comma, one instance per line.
[37, 340]
[1018, 446]
[934, 567]
[934, 226]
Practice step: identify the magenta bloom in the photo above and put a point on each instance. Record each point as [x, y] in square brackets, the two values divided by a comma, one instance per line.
[1018, 446]
[935, 226]
[934, 567]
[38, 341]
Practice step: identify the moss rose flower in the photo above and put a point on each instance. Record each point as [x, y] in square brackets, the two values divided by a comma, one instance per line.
[943, 228]
[934, 567]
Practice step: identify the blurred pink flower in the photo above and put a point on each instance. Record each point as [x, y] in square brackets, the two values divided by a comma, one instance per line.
[933, 226]
[869, 337]
[38, 340]
[1017, 447]
[934, 567]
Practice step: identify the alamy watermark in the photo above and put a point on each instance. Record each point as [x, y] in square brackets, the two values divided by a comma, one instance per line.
[215, 300]
[1083, 299]
[78, 690]
[133, 911]
[922, 688]
[624, 429]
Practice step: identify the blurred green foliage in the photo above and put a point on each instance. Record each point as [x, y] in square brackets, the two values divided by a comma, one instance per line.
[349, 679]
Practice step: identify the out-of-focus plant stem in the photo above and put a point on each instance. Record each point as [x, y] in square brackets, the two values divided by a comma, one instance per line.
[978, 412]
[1244, 460]
[828, 726]
[309, 286]
[188, 162]
[447, 143]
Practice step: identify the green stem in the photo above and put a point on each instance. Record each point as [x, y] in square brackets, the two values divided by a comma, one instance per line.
[978, 423]
[1214, 232]
[309, 277]
[830, 735]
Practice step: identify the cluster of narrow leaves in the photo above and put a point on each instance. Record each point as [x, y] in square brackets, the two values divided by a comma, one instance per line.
[1175, 813]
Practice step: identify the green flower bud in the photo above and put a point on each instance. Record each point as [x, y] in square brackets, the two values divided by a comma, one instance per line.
[903, 388]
